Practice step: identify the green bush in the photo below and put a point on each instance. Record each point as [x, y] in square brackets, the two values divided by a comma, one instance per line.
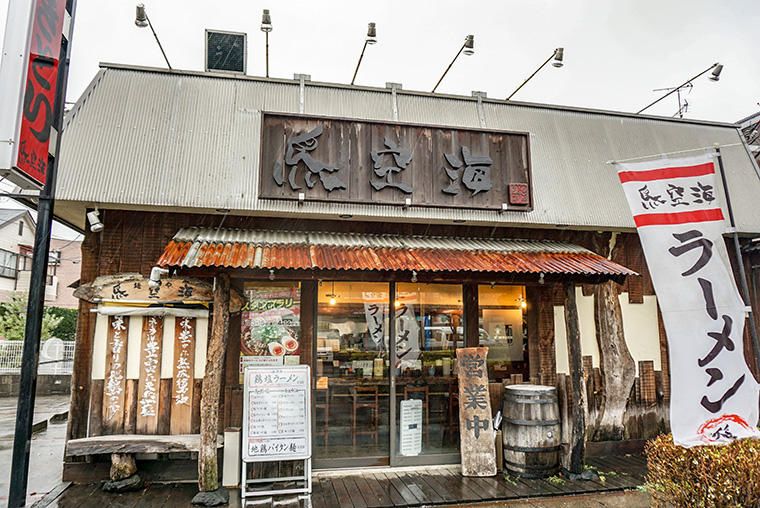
[67, 328]
[704, 475]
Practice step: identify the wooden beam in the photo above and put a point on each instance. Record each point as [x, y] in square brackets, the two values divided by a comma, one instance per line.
[471, 334]
[208, 477]
[578, 431]
[81, 374]
[136, 443]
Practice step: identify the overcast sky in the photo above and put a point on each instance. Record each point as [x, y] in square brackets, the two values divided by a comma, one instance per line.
[616, 52]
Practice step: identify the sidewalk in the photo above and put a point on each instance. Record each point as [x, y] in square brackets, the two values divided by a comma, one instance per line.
[46, 455]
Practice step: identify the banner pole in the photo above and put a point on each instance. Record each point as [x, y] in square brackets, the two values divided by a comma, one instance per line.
[740, 262]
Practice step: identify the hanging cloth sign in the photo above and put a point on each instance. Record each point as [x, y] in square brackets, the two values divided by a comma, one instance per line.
[680, 223]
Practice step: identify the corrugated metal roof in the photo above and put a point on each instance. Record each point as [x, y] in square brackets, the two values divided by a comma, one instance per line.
[153, 138]
[236, 248]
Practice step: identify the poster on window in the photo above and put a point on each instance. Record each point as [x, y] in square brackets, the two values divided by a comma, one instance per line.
[376, 314]
[676, 208]
[270, 324]
[407, 332]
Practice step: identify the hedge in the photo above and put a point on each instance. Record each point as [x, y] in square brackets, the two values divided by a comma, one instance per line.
[704, 475]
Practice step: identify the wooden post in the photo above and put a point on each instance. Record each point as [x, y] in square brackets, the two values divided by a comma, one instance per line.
[471, 329]
[208, 477]
[578, 432]
[617, 367]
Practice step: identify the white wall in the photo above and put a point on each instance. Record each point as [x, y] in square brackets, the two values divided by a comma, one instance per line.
[639, 325]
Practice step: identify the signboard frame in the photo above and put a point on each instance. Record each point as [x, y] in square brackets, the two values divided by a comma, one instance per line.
[305, 371]
[36, 32]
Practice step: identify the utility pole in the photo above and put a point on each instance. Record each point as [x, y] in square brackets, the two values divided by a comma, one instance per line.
[30, 357]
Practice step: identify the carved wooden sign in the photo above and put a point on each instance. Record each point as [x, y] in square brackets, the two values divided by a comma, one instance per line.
[476, 433]
[133, 287]
[330, 159]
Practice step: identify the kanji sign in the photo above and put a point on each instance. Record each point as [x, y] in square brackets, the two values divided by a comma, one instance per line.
[359, 161]
[680, 223]
[30, 88]
[476, 430]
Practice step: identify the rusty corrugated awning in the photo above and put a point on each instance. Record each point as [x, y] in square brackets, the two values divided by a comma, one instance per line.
[235, 248]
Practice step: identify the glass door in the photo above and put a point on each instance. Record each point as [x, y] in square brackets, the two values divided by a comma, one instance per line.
[352, 388]
[427, 328]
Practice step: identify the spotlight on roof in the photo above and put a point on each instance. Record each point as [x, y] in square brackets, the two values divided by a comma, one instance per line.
[469, 45]
[266, 21]
[141, 19]
[371, 34]
[558, 54]
[716, 72]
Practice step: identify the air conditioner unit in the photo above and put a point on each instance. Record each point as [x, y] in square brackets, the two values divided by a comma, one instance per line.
[226, 51]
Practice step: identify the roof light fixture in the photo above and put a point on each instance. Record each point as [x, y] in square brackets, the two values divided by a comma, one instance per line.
[142, 20]
[468, 48]
[716, 69]
[371, 39]
[558, 56]
[266, 27]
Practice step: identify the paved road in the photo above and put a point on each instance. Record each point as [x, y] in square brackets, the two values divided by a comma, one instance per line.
[46, 456]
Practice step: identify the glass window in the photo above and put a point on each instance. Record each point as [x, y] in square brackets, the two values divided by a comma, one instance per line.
[429, 328]
[503, 328]
[351, 399]
[270, 324]
[8, 262]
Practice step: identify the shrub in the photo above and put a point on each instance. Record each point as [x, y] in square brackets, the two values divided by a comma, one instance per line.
[13, 319]
[67, 328]
[704, 475]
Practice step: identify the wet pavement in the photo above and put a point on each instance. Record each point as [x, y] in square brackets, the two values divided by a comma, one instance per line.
[46, 455]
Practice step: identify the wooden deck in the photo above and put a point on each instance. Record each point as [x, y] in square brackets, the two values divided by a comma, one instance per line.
[375, 488]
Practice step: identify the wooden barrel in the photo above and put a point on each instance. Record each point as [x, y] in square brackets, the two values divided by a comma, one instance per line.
[531, 430]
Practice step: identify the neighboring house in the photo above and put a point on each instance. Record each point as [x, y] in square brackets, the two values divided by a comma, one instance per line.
[17, 229]
[68, 253]
[750, 127]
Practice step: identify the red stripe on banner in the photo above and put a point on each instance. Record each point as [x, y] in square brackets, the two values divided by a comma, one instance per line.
[665, 173]
[663, 219]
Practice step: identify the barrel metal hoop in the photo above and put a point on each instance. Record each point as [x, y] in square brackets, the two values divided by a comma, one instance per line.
[515, 421]
[533, 448]
[529, 393]
[531, 467]
[530, 401]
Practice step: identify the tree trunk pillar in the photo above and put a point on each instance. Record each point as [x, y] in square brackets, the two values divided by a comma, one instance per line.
[578, 432]
[617, 367]
[211, 392]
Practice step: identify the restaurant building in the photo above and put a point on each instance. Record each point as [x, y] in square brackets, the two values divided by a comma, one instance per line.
[365, 232]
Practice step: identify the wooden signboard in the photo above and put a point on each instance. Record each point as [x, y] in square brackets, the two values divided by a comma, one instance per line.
[116, 373]
[184, 375]
[475, 426]
[132, 288]
[150, 374]
[331, 159]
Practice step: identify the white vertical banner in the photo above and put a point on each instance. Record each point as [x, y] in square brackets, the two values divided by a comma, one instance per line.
[677, 211]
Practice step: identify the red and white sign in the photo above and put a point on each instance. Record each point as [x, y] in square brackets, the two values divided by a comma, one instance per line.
[28, 78]
[677, 211]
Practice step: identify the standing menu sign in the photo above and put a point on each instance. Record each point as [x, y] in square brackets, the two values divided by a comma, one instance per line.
[277, 414]
[276, 425]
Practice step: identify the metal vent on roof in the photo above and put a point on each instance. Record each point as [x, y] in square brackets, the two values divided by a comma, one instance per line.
[226, 51]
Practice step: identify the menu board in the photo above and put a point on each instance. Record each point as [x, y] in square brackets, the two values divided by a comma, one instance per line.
[276, 413]
[410, 427]
[270, 323]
